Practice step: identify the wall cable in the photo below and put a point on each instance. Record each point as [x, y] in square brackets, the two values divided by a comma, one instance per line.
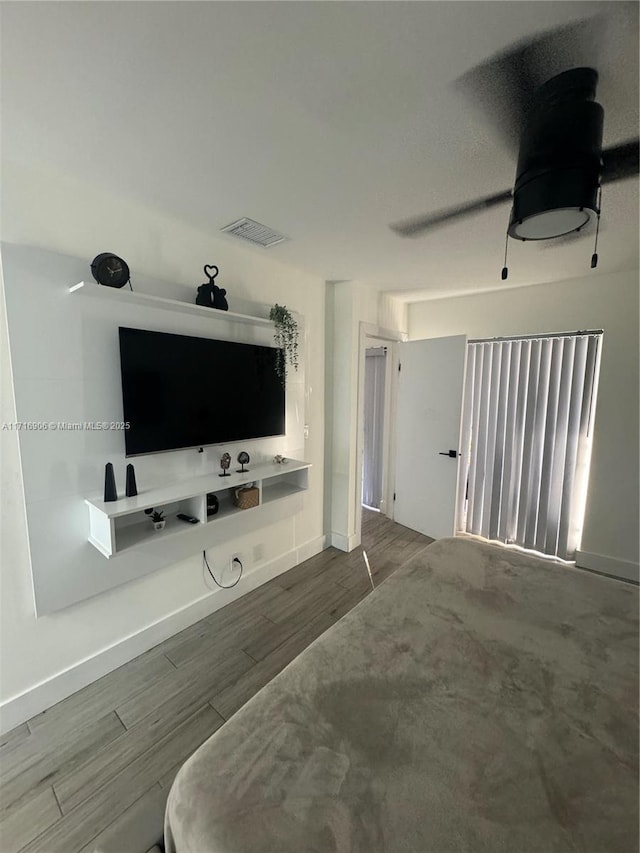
[213, 577]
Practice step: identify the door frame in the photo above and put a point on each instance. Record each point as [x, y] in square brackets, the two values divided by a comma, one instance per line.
[371, 335]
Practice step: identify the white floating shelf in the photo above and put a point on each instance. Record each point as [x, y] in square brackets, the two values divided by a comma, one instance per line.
[203, 483]
[275, 491]
[87, 288]
[139, 533]
[121, 525]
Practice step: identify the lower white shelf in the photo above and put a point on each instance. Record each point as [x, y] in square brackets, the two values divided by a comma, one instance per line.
[143, 531]
[121, 526]
[276, 491]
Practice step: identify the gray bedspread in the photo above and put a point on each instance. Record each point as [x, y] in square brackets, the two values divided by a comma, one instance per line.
[480, 700]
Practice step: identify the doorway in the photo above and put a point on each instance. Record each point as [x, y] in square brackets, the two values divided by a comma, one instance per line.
[379, 394]
[373, 427]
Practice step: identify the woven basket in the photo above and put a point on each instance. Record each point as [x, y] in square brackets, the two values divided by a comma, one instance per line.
[245, 498]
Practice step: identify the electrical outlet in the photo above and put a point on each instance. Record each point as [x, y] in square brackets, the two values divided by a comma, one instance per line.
[306, 430]
[235, 566]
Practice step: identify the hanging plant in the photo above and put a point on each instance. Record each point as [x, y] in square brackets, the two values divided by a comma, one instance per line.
[286, 339]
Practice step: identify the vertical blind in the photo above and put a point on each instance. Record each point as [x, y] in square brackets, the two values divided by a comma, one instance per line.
[527, 425]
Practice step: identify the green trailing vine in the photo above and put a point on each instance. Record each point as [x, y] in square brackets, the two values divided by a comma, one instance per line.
[286, 339]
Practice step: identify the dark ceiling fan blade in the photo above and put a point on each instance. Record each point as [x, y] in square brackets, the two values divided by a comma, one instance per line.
[620, 161]
[415, 226]
[503, 86]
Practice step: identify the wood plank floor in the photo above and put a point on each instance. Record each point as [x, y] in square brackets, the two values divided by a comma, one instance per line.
[69, 772]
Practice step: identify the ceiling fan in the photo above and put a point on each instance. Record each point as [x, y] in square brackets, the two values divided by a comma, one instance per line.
[544, 103]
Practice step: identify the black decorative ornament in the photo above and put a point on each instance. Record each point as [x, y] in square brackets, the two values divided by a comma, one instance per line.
[213, 504]
[219, 299]
[243, 459]
[110, 270]
[209, 294]
[225, 463]
[204, 296]
[110, 493]
[130, 489]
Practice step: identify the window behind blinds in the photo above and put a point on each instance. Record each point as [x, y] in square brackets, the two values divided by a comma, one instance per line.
[528, 413]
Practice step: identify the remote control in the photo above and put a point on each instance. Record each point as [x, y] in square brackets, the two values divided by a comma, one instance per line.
[184, 517]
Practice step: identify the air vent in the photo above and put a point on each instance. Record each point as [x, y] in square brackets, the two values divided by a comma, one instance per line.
[254, 232]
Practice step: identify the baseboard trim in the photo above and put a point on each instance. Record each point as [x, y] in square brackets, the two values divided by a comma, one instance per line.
[311, 548]
[23, 706]
[345, 543]
[624, 569]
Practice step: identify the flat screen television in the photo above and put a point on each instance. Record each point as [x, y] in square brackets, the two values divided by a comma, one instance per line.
[181, 391]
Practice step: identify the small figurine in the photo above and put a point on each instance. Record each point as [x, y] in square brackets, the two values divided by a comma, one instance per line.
[243, 459]
[225, 463]
[110, 493]
[209, 294]
[213, 505]
[131, 489]
[219, 298]
[204, 296]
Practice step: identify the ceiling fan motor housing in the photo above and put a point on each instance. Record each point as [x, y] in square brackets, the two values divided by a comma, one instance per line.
[559, 162]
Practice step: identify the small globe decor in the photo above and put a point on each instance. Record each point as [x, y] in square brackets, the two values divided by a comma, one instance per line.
[225, 464]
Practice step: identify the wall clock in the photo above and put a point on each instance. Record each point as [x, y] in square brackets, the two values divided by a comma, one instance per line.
[110, 270]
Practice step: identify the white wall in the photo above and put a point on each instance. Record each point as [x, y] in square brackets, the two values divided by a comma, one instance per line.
[45, 658]
[342, 305]
[610, 302]
[349, 304]
[393, 314]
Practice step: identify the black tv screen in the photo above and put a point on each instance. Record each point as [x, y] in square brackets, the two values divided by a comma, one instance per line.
[180, 391]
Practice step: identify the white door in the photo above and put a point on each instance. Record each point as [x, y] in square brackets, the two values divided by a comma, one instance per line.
[429, 406]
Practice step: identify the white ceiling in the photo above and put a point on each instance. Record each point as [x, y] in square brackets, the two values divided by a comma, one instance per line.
[323, 120]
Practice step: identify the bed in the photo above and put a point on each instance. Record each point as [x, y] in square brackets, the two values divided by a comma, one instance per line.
[481, 699]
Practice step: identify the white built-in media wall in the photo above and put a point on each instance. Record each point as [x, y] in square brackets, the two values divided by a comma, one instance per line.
[66, 371]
